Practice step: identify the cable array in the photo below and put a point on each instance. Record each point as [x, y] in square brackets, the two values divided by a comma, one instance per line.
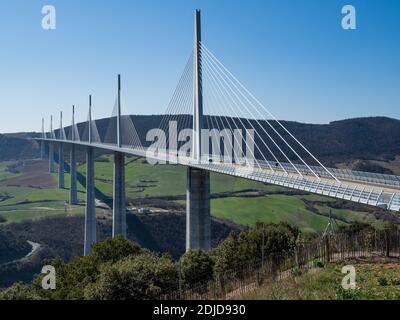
[229, 105]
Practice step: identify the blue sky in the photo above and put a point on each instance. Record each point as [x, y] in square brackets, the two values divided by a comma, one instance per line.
[292, 54]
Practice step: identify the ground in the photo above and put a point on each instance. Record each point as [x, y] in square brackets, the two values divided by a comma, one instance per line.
[377, 279]
[27, 191]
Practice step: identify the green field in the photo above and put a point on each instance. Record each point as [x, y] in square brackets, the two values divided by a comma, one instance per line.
[4, 174]
[143, 180]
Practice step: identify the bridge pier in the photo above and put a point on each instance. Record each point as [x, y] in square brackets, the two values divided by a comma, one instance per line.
[90, 212]
[198, 218]
[42, 150]
[73, 191]
[51, 157]
[119, 203]
[61, 169]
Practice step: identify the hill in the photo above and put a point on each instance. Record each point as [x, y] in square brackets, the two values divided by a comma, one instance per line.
[14, 147]
[12, 246]
[338, 142]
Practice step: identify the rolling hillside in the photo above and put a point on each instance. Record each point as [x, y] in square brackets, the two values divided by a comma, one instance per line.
[347, 143]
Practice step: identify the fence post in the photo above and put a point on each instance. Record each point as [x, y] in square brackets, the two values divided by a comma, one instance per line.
[327, 248]
[387, 240]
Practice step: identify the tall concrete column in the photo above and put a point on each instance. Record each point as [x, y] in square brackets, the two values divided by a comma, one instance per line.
[90, 212]
[73, 190]
[42, 150]
[198, 90]
[198, 218]
[42, 146]
[61, 169]
[51, 157]
[119, 206]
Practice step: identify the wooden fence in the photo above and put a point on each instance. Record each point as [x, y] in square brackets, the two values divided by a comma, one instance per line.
[277, 266]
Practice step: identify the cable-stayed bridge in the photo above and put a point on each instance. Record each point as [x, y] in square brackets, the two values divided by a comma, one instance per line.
[212, 124]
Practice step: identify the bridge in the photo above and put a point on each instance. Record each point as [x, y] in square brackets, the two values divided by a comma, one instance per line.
[212, 124]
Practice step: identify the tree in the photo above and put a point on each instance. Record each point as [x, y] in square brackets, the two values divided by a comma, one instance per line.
[114, 249]
[141, 277]
[19, 291]
[196, 267]
[239, 251]
[72, 278]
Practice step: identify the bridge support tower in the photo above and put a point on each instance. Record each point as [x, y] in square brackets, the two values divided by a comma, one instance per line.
[61, 168]
[51, 157]
[73, 190]
[119, 205]
[198, 218]
[90, 212]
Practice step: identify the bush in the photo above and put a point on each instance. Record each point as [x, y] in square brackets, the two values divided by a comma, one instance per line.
[114, 249]
[196, 267]
[317, 263]
[239, 251]
[72, 278]
[19, 291]
[141, 277]
[383, 281]
[349, 294]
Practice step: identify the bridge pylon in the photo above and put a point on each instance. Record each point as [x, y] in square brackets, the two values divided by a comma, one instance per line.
[198, 218]
[90, 212]
[119, 198]
[73, 190]
[61, 170]
[51, 148]
[42, 143]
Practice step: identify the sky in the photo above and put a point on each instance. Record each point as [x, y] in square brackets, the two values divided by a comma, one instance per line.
[293, 55]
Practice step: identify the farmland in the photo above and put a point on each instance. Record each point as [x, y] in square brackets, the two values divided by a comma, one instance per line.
[32, 193]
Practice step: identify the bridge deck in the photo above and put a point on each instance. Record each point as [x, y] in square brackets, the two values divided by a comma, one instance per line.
[367, 188]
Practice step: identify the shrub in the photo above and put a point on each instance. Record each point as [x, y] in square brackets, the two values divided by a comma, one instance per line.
[318, 263]
[383, 281]
[19, 291]
[196, 268]
[347, 294]
[141, 277]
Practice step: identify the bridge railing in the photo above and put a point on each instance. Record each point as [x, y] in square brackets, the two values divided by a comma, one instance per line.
[345, 174]
[376, 197]
[366, 195]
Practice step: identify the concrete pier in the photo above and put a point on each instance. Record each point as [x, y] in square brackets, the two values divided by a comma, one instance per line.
[73, 191]
[119, 206]
[61, 183]
[42, 150]
[51, 157]
[90, 212]
[198, 218]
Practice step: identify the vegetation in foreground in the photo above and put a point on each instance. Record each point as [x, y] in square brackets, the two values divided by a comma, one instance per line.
[379, 280]
[120, 269]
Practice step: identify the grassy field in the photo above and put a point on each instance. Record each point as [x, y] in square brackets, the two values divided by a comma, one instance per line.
[4, 174]
[374, 281]
[143, 180]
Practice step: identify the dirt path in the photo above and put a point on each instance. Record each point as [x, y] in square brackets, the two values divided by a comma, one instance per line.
[35, 247]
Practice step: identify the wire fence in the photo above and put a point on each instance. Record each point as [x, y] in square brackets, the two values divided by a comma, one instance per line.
[278, 266]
